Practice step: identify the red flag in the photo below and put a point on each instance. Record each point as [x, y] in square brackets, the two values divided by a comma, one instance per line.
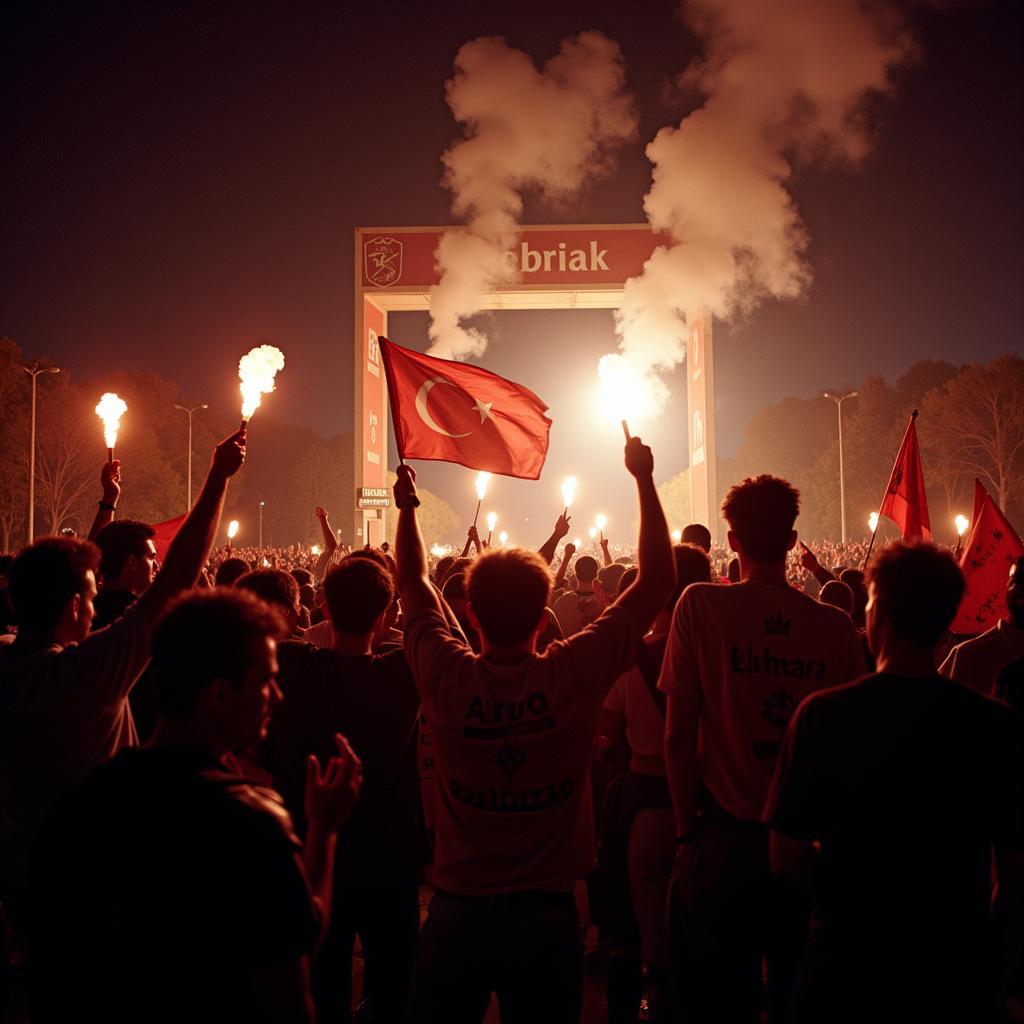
[980, 494]
[164, 533]
[905, 502]
[992, 548]
[453, 412]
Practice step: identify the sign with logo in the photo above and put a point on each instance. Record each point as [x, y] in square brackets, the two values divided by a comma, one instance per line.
[382, 261]
[544, 255]
[373, 497]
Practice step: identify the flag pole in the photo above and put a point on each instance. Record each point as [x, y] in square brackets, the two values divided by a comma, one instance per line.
[382, 343]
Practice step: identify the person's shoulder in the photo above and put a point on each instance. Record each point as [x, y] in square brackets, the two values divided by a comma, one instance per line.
[978, 643]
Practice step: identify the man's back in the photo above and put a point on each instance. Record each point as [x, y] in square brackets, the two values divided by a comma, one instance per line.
[157, 886]
[371, 699]
[977, 662]
[747, 655]
[906, 783]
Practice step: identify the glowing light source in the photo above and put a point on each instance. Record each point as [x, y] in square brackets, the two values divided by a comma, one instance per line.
[625, 394]
[232, 529]
[503, 537]
[593, 532]
[873, 522]
[256, 372]
[568, 492]
[677, 535]
[601, 521]
[578, 542]
[492, 518]
[438, 550]
[962, 522]
[482, 480]
[110, 410]
[315, 549]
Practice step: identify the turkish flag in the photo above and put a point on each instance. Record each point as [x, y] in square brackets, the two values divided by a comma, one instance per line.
[164, 533]
[453, 412]
[992, 548]
[905, 502]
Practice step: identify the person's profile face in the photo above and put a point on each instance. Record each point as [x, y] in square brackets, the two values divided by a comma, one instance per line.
[1015, 589]
[258, 694]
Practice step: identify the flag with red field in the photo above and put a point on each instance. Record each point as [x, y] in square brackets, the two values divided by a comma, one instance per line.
[991, 549]
[445, 411]
[905, 502]
[164, 533]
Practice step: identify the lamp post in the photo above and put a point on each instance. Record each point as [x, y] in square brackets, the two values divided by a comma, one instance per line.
[262, 503]
[33, 371]
[839, 399]
[188, 412]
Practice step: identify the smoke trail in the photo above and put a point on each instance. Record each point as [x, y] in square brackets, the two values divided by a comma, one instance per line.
[785, 81]
[546, 130]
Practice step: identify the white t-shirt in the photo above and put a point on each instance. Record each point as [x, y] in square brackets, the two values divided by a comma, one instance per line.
[977, 662]
[741, 659]
[320, 634]
[645, 724]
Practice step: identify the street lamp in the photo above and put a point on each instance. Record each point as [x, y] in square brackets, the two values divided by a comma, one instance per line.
[839, 399]
[33, 371]
[262, 503]
[188, 412]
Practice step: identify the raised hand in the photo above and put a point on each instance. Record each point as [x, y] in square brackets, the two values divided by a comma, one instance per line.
[110, 481]
[320, 512]
[639, 458]
[332, 790]
[229, 455]
[562, 525]
[405, 486]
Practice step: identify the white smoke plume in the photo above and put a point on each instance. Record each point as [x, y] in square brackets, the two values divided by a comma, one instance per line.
[785, 81]
[527, 130]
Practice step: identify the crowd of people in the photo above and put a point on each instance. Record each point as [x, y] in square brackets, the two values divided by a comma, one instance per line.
[769, 776]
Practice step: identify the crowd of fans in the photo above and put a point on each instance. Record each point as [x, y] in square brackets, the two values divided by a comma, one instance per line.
[772, 779]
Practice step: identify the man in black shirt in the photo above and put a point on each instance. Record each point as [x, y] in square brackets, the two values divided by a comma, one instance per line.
[127, 565]
[890, 796]
[371, 698]
[168, 888]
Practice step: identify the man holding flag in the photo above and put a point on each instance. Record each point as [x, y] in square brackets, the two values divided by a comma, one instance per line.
[512, 729]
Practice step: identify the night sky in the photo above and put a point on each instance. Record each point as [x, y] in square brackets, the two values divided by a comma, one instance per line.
[182, 181]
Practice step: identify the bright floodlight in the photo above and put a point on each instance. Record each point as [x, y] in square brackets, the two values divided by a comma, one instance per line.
[110, 410]
[256, 372]
[962, 522]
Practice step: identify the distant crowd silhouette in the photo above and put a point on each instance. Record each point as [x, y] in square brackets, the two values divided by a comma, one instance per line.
[769, 787]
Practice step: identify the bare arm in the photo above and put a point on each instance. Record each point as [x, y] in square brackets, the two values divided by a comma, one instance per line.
[567, 553]
[810, 562]
[607, 555]
[191, 547]
[656, 571]
[472, 540]
[547, 549]
[110, 482]
[330, 541]
[413, 580]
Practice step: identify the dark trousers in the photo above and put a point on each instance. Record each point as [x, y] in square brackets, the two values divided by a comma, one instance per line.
[525, 947]
[727, 914]
[386, 917]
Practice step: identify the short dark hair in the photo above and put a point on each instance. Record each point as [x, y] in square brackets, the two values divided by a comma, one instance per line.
[302, 576]
[692, 566]
[206, 635]
[442, 569]
[837, 594]
[229, 570]
[761, 512]
[610, 575]
[118, 541]
[46, 576]
[919, 587]
[357, 590]
[585, 568]
[509, 588]
[275, 586]
[698, 534]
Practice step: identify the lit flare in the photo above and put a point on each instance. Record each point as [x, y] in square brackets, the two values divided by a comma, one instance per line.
[110, 409]
[962, 522]
[256, 372]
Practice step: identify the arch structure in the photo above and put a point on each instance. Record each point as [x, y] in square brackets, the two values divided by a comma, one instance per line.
[566, 266]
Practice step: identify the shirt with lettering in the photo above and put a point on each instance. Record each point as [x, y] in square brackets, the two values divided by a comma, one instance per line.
[741, 659]
[512, 745]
